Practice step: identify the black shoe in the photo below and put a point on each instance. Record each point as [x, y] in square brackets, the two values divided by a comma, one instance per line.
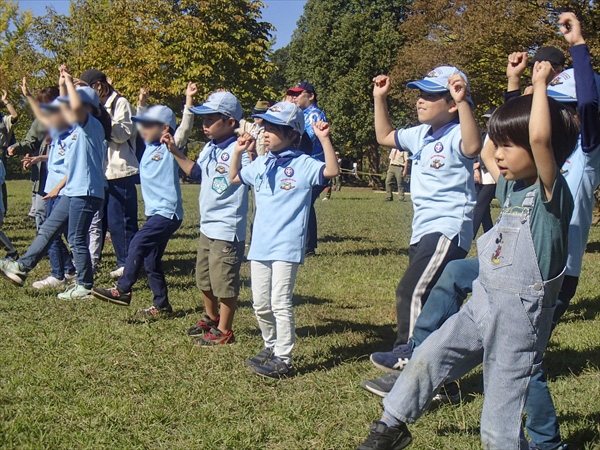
[448, 394]
[381, 386]
[116, 296]
[383, 437]
[265, 355]
[275, 368]
[310, 252]
[387, 199]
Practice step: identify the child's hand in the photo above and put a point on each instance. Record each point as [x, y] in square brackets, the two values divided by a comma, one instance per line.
[459, 89]
[143, 98]
[10, 151]
[321, 129]
[245, 143]
[52, 194]
[25, 89]
[570, 27]
[64, 75]
[517, 63]
[542, 74]
[192, 90]
[382, 86]
[4, 96]
[169, 141]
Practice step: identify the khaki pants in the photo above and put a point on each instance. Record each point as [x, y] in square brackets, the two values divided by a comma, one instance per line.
[395, 174]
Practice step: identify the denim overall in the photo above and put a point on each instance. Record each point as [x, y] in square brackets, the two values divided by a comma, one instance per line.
[506, 325]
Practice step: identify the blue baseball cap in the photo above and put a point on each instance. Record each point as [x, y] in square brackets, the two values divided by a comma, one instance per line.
[284, 113]
[562, 87]
[87, 96]
[436, 81]
[52, 106]
[222, 103]
[157, 114]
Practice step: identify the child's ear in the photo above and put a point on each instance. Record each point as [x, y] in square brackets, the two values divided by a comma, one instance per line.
[166, 128]
[452, 108]
[232, 122]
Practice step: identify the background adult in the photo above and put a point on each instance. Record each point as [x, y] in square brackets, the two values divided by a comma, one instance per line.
[122, 168]
[305, 97]
[6, 138]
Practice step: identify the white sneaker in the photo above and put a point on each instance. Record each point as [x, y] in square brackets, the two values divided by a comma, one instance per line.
[70, 278]
[75, 292]
[50, 282]
[116, 274]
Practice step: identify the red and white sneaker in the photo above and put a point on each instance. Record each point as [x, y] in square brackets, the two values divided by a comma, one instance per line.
[216, 337]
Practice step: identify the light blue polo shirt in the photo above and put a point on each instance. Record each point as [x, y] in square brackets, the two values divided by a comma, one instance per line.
[442, 188]
[159, 180]
[283, 198]
[56, 160]
[84, 160]
[313, 114]
[582, 172]
[223, 206]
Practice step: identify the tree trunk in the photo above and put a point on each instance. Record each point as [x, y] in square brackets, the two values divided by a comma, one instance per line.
[373, 163]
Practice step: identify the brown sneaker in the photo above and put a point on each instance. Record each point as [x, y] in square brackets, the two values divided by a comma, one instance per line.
[215, 337]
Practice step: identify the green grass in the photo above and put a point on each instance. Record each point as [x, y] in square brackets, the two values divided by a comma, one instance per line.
[77, 375]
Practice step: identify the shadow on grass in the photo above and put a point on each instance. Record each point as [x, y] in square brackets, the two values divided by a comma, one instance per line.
[337, 238]
[579, 438]
[593, 247]
[584, 309]
[377, 251]
[566, 362]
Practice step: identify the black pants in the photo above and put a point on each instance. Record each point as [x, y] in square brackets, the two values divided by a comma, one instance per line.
[482, 214]
[426, 262]
[311, 238]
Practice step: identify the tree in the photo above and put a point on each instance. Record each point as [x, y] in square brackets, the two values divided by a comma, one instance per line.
[339, 46]
[163, 44]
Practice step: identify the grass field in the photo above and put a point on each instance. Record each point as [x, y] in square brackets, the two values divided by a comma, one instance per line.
[77, 375]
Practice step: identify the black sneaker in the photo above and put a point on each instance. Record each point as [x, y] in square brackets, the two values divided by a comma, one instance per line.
[115, 295]
[275, 368]
[449, 394]
[387, 199]
[204, 326]
[152, 313]
[265, 355]
[381, 386]
[383, 437]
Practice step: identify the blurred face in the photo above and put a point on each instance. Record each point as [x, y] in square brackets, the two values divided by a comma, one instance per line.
[56, 120]
[434, 109]
[152, 132]
[303, 99]
[516, 163]
[276, 140]
[217, 127]
[258, 121]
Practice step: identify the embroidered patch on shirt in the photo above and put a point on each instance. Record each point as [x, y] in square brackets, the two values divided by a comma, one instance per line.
[497, 255]
[221, 169]
[436, 164]
[225, 156]
[289, 171]
[287, 186]
[439, 147]
[220, 185]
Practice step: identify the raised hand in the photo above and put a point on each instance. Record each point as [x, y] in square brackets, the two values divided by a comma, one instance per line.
[459, 90]
[4, 96]
[192, 90]
[143, 97]
[570, 27]
[517, 63]
[169, 141]
[321, 129]
[245, 143]
[542, 73]
[382, 86]
[24, 88]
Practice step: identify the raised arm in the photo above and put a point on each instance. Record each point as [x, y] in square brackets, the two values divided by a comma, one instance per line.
[386, 135]
[186, 164]
[187, 122]
[332, 168]
[469, 131]
[11, 109]
[244, 144]
[489, 159]
[585, 82]
[517, 63]
[76, 113]
[540, 128]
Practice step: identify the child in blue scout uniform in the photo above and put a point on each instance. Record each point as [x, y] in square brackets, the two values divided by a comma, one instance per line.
[223, 211]
[442, 188]
[283, 181]
[161, 190]
[82, 188]
[11, 252]
[507, 321]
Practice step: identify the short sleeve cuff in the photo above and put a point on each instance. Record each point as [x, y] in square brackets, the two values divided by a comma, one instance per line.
[322, 179]
[196, 173]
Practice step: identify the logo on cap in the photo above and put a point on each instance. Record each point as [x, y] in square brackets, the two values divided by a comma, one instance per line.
[289, 171]
[556, 81]
[275, 108]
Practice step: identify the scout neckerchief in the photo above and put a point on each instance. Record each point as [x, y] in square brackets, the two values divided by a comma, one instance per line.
[431, 137]
[213, 148]
[277, 160]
